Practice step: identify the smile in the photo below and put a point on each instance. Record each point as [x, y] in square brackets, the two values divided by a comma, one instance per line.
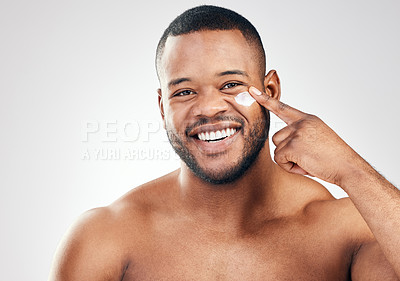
[215, 136]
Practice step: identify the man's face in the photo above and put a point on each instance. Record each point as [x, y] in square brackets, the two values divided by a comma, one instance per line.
[200, 74]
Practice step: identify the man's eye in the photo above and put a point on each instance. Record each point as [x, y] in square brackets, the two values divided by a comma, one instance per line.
[230, 85]
[183, 93]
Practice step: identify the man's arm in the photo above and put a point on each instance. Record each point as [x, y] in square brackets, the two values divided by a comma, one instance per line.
[378, 201]
[369, 263]
[89, 251]
[308, 146]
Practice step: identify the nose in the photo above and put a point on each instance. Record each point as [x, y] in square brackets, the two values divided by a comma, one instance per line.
[209, 104]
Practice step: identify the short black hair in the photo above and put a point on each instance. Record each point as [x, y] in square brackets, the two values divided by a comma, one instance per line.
[208, 17]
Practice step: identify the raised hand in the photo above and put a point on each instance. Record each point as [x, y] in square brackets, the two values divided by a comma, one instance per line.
[307, 146]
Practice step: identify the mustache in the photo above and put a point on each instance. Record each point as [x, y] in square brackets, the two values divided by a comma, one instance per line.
[204, 121]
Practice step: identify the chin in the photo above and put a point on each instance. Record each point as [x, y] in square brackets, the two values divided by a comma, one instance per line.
[222, 174]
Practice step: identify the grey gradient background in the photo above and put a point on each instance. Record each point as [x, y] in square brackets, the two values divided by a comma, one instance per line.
[67, 64]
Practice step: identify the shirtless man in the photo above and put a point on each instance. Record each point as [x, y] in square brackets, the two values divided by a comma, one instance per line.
[230, 212]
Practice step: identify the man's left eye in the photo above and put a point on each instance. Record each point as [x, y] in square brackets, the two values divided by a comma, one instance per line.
[230, 85]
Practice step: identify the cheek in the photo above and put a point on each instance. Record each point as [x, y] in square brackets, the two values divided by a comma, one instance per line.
[176, 116]
[254, 111]
[244, 99]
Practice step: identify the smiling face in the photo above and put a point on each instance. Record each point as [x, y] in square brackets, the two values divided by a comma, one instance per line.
[200, 75]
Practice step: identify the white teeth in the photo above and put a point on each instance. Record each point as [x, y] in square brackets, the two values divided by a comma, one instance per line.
[220, 134]
[212, 136]
[223, 133]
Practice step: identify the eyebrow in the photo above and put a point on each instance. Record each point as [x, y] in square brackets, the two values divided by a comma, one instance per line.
[177, 81]
[233, 72]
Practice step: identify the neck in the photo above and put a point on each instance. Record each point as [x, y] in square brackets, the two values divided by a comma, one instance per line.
[233, 205]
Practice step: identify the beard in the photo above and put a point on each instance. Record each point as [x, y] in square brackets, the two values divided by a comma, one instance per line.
[253, 143]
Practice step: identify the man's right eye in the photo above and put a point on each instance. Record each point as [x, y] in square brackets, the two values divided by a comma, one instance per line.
[183, 93]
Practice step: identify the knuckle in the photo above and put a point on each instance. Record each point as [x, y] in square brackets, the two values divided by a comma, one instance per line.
[313, 118]
[307, 123]
[291, 143]
[276, 158]
[266, 98]
[277, 153]
[275, 139]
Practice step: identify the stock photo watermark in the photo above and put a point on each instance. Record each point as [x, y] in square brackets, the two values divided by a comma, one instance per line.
[131, 140]
[124, 141]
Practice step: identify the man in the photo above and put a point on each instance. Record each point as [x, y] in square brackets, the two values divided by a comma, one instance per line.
[230, 212]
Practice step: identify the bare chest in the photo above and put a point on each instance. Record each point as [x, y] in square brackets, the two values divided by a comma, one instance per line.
[277, 254]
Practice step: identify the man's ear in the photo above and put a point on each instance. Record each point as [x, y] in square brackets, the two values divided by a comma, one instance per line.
[272, 85]
[161, 105]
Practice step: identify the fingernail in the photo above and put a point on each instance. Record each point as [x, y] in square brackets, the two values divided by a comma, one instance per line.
[255, 91]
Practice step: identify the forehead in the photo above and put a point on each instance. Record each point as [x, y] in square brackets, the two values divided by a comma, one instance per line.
[206, 52]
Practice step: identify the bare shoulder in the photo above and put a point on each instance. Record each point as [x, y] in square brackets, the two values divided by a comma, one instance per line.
[156, 195]
[339, 221]
[368, 260]
[88, 250]
[342, 218]
[99, 245]
[338, 218]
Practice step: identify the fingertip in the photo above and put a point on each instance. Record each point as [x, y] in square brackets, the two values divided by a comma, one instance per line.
[255, 91]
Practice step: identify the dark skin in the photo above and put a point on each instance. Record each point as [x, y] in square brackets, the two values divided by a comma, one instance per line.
[272, 223]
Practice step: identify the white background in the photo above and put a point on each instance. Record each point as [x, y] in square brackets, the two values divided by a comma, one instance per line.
[67, 64]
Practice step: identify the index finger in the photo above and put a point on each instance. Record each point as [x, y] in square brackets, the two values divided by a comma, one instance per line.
[285, 112]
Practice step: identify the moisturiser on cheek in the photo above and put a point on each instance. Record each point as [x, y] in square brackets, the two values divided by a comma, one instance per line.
[244, 99]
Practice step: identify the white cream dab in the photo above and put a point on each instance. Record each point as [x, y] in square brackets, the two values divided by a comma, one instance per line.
[244, 99]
